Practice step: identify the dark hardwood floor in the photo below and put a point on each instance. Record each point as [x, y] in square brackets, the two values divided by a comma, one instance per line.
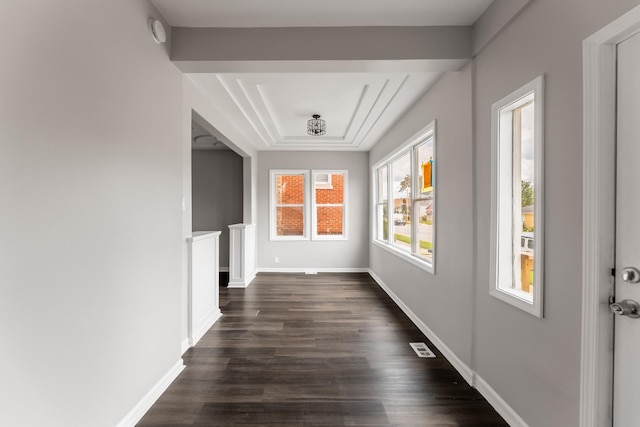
[316, 350]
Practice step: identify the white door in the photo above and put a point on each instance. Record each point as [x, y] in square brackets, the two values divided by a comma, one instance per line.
[626, 389]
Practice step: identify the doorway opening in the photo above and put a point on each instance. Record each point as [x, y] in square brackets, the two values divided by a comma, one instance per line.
[216, 188]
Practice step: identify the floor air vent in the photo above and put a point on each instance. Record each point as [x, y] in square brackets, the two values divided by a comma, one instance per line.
[421, 349]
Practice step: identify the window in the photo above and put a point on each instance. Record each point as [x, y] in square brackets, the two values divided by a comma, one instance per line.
[329, 208]
[291, 206]
[382, 216]
[288, 207]
[404, 188]
[517, 196]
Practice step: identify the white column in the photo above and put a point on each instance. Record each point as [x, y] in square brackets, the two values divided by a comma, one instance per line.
[242, 255]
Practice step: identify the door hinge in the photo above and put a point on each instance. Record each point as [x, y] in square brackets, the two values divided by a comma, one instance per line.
[612, 299]
[613, 272]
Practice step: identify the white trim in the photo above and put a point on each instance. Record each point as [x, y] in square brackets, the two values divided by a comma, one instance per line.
[466, 372]
[314, 210]
[501, 270]
[223, 269]
[310, 270]
[423, 135]
[306, 209]
[598, 216]
[204, 325]
[137, 412]
[184, 346]
[242, 283]
[498, 403]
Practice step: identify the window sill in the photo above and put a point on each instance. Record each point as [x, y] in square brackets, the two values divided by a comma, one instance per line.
[409, 257]
[517, 298]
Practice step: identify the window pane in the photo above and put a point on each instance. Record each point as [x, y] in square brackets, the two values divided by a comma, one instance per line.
[382, 223]
[289, 189]
[523, 125]
[382, 185]
[289, 221]
[401, 170]
[329, 189]
[329, 220]
[424, 212]
[425, 167]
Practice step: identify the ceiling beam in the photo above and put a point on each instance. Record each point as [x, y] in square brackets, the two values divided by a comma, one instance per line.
[205, 49]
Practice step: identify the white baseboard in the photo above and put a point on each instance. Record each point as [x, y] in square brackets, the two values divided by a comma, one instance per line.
[312, 270]
[241, 283]
[499, 404]
[184, 346]
[467, 373]
[204, 326]
[223, 269]
[141, 408]
[458, 364]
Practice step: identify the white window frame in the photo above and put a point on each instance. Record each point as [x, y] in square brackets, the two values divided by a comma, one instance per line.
[505, 206]
[324, 185]
[379, 205]
[428, 132]
[272, 202]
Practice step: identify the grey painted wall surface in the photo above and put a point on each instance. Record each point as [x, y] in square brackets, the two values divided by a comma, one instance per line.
[351, 253]
[534, 364]
[444, 300]
[90, 173]
[217, 194]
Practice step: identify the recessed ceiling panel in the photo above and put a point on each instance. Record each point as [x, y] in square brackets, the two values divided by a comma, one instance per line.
[278, 105]
[292, 103]
[272, 109]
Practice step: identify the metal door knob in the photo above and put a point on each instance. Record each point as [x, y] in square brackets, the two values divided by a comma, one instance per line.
[628, 308]
[630, 275]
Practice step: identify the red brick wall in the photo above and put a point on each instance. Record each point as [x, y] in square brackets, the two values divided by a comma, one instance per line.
[290, 190]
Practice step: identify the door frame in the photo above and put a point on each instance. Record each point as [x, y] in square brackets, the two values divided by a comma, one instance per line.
[598, 216]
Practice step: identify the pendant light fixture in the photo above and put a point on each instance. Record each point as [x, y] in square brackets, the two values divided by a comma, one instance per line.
[316, 126]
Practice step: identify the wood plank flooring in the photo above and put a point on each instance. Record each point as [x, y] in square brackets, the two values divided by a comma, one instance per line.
[316, 350]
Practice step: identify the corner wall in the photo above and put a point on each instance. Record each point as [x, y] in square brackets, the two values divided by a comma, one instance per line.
[90, 173]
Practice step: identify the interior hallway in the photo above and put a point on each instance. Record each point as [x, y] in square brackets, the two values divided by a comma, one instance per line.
[322, 350]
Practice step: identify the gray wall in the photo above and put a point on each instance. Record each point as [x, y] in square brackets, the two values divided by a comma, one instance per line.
[90, 173]
[534, 364]
[351, 253]
[216, 194]
[432, 297]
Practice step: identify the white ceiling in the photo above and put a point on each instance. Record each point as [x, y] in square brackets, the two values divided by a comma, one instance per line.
[270, 109]
[315, 13]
